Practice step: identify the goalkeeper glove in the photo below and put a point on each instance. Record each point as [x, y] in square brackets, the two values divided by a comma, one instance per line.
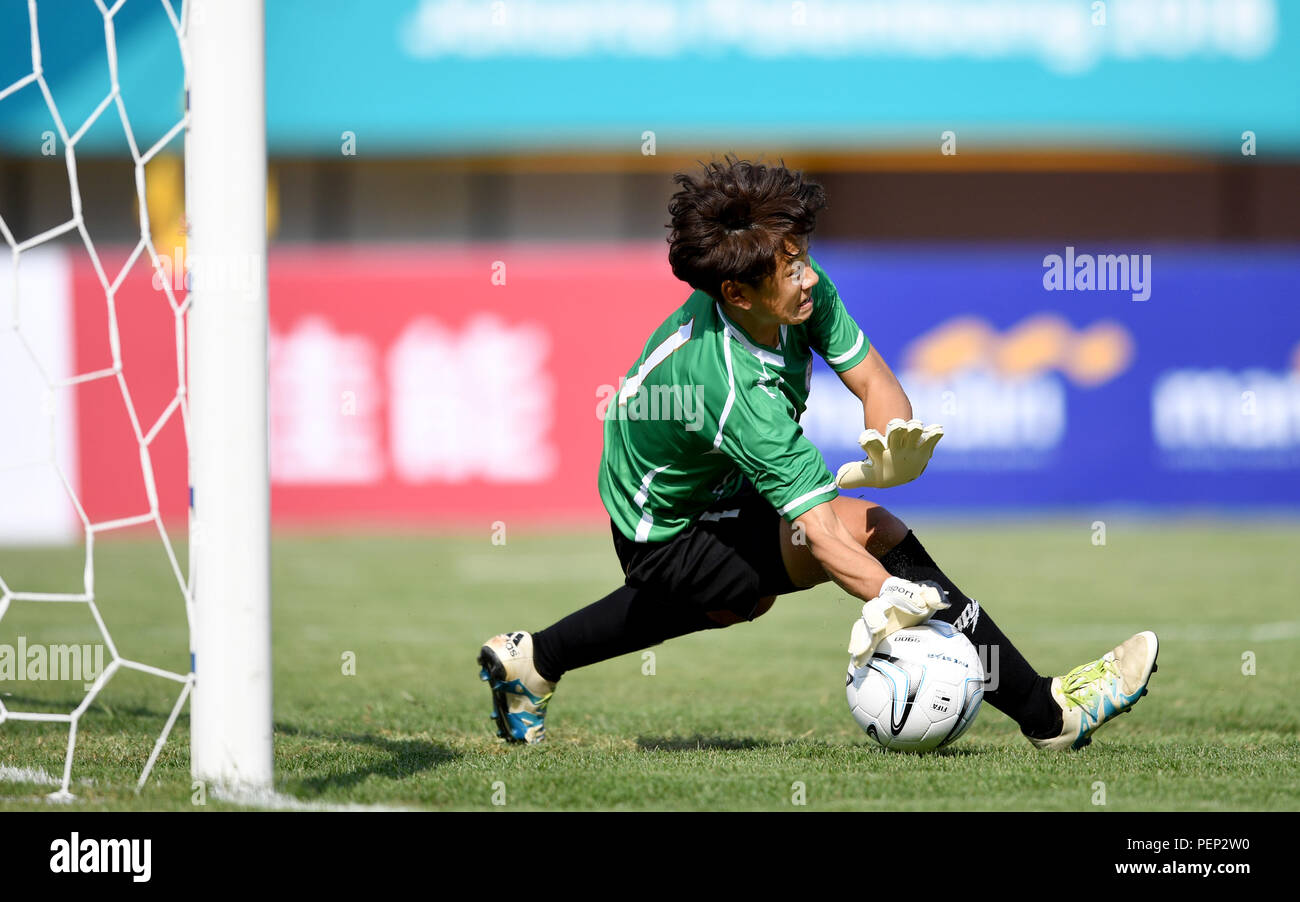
[899, 456]
[899, 605]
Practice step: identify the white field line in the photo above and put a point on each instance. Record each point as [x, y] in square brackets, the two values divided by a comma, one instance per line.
[35, 775]
[27, 775]
[271, 799]
[266, 799]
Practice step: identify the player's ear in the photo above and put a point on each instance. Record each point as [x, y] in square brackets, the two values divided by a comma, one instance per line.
[733, 293]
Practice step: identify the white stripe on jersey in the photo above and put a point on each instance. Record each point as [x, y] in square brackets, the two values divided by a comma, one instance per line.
[731, 392]
[804, 497]
[840, 358]
[644, 493]
[647, 521]
[643, 528]
[657, 356]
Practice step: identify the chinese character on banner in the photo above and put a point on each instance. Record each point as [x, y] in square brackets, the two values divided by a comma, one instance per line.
[473, 405]
[325, 399]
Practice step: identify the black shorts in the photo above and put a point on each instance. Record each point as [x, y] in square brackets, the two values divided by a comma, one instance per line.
[728, 559]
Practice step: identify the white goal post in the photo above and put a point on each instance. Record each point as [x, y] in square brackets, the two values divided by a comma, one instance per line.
[220, 396]
[225, 187]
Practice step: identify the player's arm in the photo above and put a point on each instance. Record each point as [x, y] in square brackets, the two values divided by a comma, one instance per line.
[897, 447]
[900, 453]
[875, 385]
[771, 450]
[890, 603]
[840, 341]
[844, 560]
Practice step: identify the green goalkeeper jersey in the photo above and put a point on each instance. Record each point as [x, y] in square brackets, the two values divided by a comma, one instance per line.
[706, 407]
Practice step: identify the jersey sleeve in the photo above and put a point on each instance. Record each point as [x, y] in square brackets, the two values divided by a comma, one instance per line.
[759, 433]
[832, 331]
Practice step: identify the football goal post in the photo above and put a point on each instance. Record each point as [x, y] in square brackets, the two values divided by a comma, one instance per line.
[219, 320]
[225, 186]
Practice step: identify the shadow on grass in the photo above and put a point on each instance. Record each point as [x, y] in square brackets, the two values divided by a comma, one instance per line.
[698, 743]
[701, 743]
[98, 710]
[406, 758]
[30, 703]
[961, 751]
[946, 752]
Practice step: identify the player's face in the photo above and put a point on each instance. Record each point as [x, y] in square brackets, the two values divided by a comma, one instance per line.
[787, 296]
[784, 299]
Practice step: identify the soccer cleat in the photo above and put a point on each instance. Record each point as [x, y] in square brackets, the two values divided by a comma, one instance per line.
[519, 694]
[1094, 693]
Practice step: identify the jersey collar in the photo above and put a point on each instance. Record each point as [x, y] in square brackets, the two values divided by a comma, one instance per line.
[763, 353]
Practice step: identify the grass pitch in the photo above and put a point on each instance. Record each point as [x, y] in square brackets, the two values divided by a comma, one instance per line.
[752, 717]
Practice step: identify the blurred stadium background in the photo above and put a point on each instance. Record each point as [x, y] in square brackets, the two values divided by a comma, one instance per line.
[468, 201]
[468, 209]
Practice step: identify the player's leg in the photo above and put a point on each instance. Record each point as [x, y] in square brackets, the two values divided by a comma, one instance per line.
[720, 571]
[1017, 689]
[524, 668]
[728, 617]
[1053, 712]
[872, 526]
[725, 568]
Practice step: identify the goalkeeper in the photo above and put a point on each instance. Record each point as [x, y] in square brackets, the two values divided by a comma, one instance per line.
[715, 517]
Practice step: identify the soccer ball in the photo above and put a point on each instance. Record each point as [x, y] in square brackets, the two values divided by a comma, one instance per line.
[921, 689]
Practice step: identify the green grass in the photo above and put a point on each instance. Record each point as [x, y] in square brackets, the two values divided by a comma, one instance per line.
[730, 720]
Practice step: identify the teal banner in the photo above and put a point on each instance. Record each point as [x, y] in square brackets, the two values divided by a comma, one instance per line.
[421, 76]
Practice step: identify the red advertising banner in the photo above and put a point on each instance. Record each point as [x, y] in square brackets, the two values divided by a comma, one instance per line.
[111, 484]
[442, 385]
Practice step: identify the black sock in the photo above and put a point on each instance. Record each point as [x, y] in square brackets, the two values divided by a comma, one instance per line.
[1020, 692]
[625, 620]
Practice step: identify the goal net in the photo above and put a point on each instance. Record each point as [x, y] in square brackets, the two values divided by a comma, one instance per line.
[213, 344]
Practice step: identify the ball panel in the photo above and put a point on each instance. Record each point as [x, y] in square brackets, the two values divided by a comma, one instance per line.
[920, 690]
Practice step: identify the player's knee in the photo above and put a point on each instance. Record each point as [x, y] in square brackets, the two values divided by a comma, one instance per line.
[884, 530]
[729, 617]
[873, 526]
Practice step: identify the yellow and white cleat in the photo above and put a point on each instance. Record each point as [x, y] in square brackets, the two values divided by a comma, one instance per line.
[1094, 693]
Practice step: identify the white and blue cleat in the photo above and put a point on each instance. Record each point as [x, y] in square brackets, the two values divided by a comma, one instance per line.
[1092, 694]
[519, 694]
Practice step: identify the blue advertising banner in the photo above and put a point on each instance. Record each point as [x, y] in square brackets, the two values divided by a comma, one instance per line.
[1068, 375]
